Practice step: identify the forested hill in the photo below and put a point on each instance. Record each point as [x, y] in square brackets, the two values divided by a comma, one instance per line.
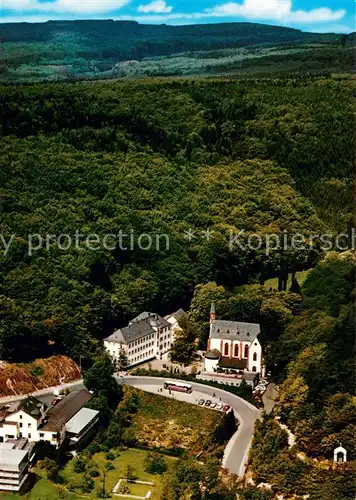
[62, 50]
[159, 157]
[129, 39]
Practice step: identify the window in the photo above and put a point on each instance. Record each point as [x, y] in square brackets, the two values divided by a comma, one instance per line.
[29, 436]
[236, 350]
[41, 435]
[20, 424]
[246, 351]
[255, 356]
[29, 425]
[254, 369]
[226, 349]
[20, 417]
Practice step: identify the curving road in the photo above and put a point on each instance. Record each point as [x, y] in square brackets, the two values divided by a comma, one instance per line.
[236, 451]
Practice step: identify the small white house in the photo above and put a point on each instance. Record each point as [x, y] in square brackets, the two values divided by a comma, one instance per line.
[340, 454]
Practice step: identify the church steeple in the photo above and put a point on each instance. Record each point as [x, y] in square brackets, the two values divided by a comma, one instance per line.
[212, 312]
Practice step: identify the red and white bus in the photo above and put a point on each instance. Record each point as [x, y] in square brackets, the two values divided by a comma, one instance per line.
[171, 385]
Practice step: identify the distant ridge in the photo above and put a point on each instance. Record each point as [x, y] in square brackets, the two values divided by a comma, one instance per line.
[108, 48]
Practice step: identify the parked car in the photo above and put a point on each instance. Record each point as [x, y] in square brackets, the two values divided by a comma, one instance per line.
[213, 405]
[260, 388]
[227, 408]
[220, 407]
[208, 402]
[55, 401]
[201, 402]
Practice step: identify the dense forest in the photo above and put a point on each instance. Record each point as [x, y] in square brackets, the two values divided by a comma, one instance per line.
[67, 50]
[161, 158]
[317, 397]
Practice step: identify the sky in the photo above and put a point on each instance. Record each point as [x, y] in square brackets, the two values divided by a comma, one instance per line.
[307, 15]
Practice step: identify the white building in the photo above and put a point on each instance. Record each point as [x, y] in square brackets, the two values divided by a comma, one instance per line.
[148, 336]
[32, 420]
[173, 319]
[22, 419]
[340, 454]
[15, 457]
[79, 426]
[233, 347]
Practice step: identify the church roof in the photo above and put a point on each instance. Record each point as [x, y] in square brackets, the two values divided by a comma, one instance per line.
[234, 330]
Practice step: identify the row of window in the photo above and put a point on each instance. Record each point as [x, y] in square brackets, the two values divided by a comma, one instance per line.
[141, 341]
[236, 351]
[136, 359]
[141, 348]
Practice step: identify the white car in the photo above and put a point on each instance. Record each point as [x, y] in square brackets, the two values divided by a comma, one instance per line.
[260, 388]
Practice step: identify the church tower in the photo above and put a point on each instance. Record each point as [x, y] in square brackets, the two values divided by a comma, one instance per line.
[212, 312]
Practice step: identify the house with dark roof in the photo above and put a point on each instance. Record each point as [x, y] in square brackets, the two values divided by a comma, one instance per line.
[22, 419]
[233, 347]
[30, 419]
[146, 337]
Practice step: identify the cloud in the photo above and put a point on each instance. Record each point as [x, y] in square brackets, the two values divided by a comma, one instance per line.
[64, 6]
[275, 10]
[157, 7]
[157, 11]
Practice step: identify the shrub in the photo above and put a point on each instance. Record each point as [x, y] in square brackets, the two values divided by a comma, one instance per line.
[79, 466]
[109, 466]
[94, 473]
[155, 464]
[94, 448]
[88, 485]
[37, 371]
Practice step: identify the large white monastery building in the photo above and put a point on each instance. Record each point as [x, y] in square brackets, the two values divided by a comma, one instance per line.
[233, 347]
[148, 336]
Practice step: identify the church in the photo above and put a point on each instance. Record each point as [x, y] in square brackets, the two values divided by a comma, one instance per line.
[233, 347]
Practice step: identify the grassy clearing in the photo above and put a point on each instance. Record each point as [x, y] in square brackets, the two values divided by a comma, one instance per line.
[301, 277]
[133, 457]
[42, 490]
[170, 424]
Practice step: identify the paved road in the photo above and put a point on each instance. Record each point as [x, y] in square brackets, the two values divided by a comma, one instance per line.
[236, 451]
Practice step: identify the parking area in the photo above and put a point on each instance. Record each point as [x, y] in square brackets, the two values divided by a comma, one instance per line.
[195, 397]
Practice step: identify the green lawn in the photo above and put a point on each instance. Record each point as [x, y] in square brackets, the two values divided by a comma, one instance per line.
[42, 490]
[139, 490]
[301, 277]
[131, 456]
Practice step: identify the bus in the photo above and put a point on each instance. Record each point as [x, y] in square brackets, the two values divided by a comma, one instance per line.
[177, 386]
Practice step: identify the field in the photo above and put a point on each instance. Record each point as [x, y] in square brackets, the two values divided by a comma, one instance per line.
[43, 490]
[301, 277]
[133, 457]
[172, 425]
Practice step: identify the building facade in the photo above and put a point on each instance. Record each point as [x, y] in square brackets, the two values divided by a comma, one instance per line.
[15, 458]
[174, 319]
[30, 419]
[148, 336]
[233, 347]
